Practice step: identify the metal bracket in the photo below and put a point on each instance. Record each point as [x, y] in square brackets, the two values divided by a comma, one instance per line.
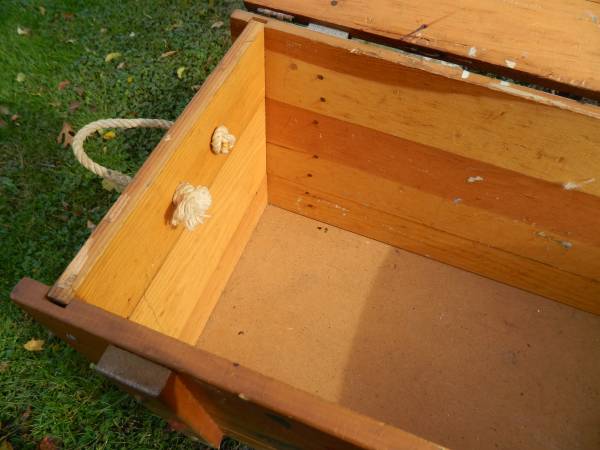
[329, 30]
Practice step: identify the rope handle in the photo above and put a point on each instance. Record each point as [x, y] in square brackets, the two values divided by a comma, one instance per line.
[191, 203]
[119, 179]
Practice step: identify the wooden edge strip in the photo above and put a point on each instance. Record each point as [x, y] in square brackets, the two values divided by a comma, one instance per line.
[452, 71]
[101, 328]
[444, 51]
[62, 291]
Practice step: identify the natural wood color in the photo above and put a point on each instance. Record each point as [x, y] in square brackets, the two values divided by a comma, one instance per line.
[188, 407]
[243, 403]
[522, 215]
[210, 296]
[541, 141]
[410, 235]
[555, 43]
[448, 355]
[192, 266]
[133, 239]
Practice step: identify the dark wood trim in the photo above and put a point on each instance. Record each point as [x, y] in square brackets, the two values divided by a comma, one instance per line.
[245, 405]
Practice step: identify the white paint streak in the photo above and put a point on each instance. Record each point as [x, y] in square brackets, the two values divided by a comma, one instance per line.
[511, 64]
[465, 74]
[475, 179]
[572, 185]
[472, 52]
[504, 83]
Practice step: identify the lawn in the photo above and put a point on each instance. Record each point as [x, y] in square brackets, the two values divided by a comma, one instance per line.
[54, 70]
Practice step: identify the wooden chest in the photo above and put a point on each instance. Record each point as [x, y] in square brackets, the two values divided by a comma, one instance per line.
[385, 242]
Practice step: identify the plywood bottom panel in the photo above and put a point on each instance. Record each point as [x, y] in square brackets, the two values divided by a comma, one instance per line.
[448, 355]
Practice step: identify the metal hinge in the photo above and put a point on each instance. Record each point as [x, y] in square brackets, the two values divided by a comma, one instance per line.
[276, 15]
[311, 26]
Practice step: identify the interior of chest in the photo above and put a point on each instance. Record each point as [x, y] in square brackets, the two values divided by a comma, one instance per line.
[383, 235]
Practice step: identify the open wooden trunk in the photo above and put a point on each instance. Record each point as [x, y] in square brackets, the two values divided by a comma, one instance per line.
[373, 271]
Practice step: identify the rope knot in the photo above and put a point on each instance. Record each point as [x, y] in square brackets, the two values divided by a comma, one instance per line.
[222, 141]
[191, 204]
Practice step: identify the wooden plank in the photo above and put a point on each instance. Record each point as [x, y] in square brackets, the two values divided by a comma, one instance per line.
[554, 43]
[527, 274]
[133, 239]
[211, 294]
[379, 92]
[178, 288]
[509, 211]
[243, 403]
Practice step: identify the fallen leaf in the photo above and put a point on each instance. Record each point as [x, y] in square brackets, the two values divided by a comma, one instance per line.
[22, 31]
[42, 10]
[121, 65]
[15, 117]
[109, 135]
[34, 345]
[66, 135]
[68, 16]
[48, 443]
[63, 84]
[111, 56]
[91, 225]
[169, 53]
[4, 110]
[130, 80]
[4, 365]
[196, 87]
[20, 77]
[71, 41]
[132, 34]
[79, 91]
[180, 72]
[109, 185]
[5, 445]
[217, 24]
[74, 106]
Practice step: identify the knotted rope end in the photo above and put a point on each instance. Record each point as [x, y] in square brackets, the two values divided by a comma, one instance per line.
[222, 141]
[191, 204]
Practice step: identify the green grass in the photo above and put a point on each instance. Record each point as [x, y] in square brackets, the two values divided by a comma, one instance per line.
[47, 199]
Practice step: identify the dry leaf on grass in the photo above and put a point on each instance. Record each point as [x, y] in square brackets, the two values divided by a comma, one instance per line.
[20, 77]
[66, 135]
[5, 445]
[112, 56]
[74, 106]
[34, 345]
[48, 443]
[42, 10]
[218, 24]
[4, 110]
[4, 365]
[109, 185]
[109, 135]
[91, 225]
[63, 84]
[79, 91]
[22, 31]
[167, 54]
[180, 72]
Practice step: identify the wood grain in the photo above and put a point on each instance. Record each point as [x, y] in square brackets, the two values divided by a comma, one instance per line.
[527, 274]
[134, 238]
[554, 43]
[506, 210]
[209, 297]
[193, 263]
[244, 404]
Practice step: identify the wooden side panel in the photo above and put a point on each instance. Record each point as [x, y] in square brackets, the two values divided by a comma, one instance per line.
[375, 89]
[135, 238]
[467, 254]
[456, 166]
[555, 42]
[244, 404]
